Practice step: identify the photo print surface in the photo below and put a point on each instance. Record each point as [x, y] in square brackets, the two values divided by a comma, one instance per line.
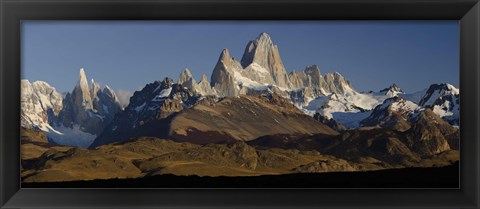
[240, 104]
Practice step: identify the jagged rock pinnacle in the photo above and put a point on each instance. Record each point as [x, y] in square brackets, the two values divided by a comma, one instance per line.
[204, 78]
[186, 77]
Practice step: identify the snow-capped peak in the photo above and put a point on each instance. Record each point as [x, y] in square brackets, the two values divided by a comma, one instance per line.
[392, 90]
[397, 103]
[393, 111]
[452, 89]
[436, 91]
[392, 87]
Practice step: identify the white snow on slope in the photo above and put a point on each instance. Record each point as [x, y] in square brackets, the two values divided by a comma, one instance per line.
[259, 69]
[352, 107]
[414, 97]
[406, 106]
[435, 95]
[247, 82]
[448, 110]
[350, 102]
[69, 136]
[165, 93]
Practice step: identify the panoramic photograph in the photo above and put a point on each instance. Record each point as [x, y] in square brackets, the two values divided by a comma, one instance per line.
[240, 104]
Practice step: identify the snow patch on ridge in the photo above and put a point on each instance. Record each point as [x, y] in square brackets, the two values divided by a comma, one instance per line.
[165, 93]
[140, 108]
[247, 82]
[351, 101]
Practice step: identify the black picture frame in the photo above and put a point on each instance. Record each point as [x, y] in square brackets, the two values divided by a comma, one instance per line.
[12, 12]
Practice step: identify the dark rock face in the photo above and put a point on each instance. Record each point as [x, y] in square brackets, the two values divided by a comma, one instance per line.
[434, 89]
[316, 78]
[155, 102]
[169, 107]
[444, 99]
[380, 144]
[336, 83]
[106, 103]
[431, 135]
[329, 122]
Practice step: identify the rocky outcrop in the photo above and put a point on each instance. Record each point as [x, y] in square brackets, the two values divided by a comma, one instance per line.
[326, 166]
[330, 122]
[317, 81]
[108, 103]
[299, 80]
[28, 135]
[186, 79]
[336, 83]
[168, 107]
[203, 87]
[382, 144]
[431, 135]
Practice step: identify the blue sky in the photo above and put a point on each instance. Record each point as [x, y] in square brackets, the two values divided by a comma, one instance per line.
[126, 55]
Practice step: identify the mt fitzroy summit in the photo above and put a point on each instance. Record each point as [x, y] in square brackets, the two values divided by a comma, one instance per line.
[261, 54]
[261, 69]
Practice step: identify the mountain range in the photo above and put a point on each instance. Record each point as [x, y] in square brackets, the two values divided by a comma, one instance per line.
[256, 103]
[82, 115]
